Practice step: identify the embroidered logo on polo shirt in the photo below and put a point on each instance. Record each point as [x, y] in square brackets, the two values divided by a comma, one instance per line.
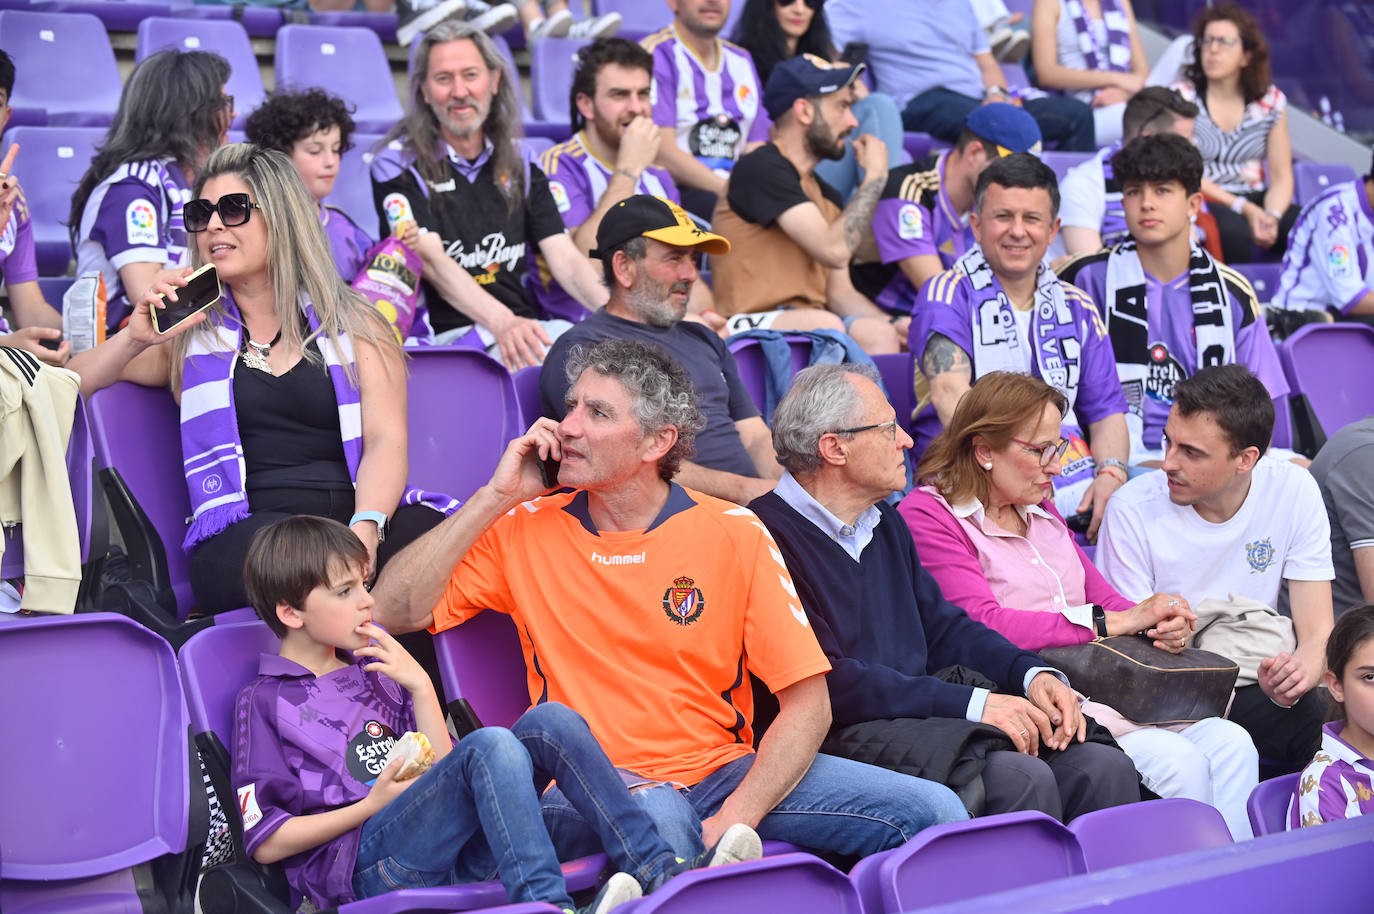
[683, 602]
[1260, 555]
[367, 751]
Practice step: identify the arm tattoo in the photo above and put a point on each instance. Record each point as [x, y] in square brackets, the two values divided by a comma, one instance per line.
[942, 356]
[858, 215]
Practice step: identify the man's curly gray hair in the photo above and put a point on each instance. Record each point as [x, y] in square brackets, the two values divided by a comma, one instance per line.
[662, 393]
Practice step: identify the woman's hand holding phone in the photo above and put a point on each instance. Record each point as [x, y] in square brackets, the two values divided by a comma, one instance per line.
[163, 290]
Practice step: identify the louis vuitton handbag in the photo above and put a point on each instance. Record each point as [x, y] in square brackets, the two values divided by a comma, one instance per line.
[1145, 684]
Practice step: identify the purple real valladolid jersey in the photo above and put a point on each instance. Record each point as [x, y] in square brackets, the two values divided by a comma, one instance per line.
[1337, 784]
[306, 745]
[347, 242]
[18, 262]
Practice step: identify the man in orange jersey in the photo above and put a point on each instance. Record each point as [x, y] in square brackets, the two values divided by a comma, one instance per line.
[646, 607]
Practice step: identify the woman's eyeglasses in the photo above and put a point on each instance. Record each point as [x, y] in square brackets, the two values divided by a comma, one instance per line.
[1220, 41]
[1049, 453]
[233, 209]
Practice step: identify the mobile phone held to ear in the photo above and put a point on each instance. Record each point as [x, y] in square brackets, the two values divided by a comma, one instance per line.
[548, 472]
[200, 292]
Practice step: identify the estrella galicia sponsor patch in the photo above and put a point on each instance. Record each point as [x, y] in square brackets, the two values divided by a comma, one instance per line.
[1163, 374]
[367, 751]
[683, 602]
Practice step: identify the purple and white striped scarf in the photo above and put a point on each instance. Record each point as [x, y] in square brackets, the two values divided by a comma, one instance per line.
[215, 475]
[1116, 56]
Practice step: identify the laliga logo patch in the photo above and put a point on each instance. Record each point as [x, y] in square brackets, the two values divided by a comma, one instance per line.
[683, 602]
[249, 810]
[397, 208]
[560, 196]
[909, 222]
[1338, 259]
[1259, 555]
[1164, 372]
[140, 223]
[366, 755]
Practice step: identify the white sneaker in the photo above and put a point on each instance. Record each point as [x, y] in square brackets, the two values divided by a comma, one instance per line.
[596, 27]
[555, 26]
[491, 18]
[417, 16]
[738, 844]
[1009, 45]
[620, 888]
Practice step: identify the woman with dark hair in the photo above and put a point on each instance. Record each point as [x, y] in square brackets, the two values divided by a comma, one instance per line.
[990, 536]
[314, 129]
[1242, 133]
[776, 30]
[126, 213]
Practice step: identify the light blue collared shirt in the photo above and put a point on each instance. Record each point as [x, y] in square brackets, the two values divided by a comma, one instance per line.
[852, 539]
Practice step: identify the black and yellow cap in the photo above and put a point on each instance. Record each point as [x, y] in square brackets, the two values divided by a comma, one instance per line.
[648, 216]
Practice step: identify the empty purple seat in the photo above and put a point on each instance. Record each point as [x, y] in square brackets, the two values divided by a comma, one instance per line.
[68, 75]
[527, 393]
[50, 164]
[384, 24]
[481, 661]
[1263, 276]
[353, 188]
[225, 37]
[640, 19]
[553, 62]
[753, 368]
[137, 435]
[1061, 162]
[348, 62]
[102, 787]
[1311, 179]
[1332, 365]
[462, 413]
[1268, 804]
[1136, 832]
[955, 861]
[118, 15]
[795, 883]
[257, 21]
[1015, 76]
[898, 372]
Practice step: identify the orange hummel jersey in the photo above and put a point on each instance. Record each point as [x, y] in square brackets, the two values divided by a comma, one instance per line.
[649, 635]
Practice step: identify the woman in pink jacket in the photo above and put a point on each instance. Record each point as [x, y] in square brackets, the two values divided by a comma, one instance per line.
[986, 528]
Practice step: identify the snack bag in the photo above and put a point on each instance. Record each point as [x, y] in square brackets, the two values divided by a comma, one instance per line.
[391, 282]
[83, 312]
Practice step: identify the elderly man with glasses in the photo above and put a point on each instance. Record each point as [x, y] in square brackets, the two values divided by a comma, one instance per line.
[915, 684]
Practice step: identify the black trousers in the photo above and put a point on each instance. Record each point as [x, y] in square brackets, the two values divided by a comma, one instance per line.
[1237, 243]
[1081, 778]
[1285, 737]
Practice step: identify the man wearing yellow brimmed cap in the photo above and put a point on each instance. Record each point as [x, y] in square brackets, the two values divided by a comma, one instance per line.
[648, 248]
[793, 235]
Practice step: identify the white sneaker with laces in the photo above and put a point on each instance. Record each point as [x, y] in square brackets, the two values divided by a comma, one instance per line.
[492, 18]
[417, 16]
[596, 27]
[555, 26]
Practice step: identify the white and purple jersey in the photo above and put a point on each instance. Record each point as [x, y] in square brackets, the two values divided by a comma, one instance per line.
[1329, 265]
[133, 216]
[1091, 198]
[716, 113]
[577, 181]
[18, 262]
[914, 217]
[305, 745]
[348, 243]
[1335, 785]
[1160, 333]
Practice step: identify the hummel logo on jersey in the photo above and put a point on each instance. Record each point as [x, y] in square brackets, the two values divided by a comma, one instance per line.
[599, 559]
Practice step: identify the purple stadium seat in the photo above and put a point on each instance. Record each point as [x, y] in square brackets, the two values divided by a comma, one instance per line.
[1015, 75]
[226, 38]
[54, 287]
[349, 62]
[1061, 162]
[353, 188]
[137, 434]
[535, 146]
[102, 788]
[219, 661]
[960, 860]
[552, 65]
[527, 393]
[118, 15]
[753, 369]
[641, 19]
[917, 145]
[384, 24]
[898, 372]
[796, 883]
[51, 162]
[1263, 276]
[1268, 804]
[481, 661]
[67, 71]
[1137, 832]
[1311, 179]
[1333, 366]
[462, 413]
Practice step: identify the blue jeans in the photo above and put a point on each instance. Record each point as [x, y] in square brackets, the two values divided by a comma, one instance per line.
[476, 814]
[840, 806]
[1065, 123]
[878, 116]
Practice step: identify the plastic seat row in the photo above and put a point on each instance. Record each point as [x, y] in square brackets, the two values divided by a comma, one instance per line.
[1330, 371]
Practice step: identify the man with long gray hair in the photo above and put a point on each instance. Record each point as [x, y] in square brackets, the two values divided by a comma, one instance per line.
[887, 629]
[646, 607]
[455, 166]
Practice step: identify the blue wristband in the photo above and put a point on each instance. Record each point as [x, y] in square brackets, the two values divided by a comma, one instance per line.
[377, 517]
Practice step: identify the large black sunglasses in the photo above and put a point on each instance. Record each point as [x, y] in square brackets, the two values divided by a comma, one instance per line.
[233, 209]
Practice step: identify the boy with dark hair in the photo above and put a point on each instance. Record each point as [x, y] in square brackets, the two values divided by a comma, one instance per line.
[36, 319]
[1092, 214]
[1221, 521]
[313, 730]
[1169, 307]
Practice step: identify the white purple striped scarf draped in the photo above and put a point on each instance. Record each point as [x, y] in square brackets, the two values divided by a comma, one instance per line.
[209, 424]
[1116, 55]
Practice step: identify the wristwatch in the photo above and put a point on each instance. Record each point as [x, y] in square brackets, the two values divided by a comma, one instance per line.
[377, 517]
[1099, 620]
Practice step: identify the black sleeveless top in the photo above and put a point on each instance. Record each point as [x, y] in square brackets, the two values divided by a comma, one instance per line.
[289, 427]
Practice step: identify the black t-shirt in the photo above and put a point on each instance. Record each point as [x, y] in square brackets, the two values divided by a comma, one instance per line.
[764, 185]
[721, 396]
[480, 232]
[289, 428]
